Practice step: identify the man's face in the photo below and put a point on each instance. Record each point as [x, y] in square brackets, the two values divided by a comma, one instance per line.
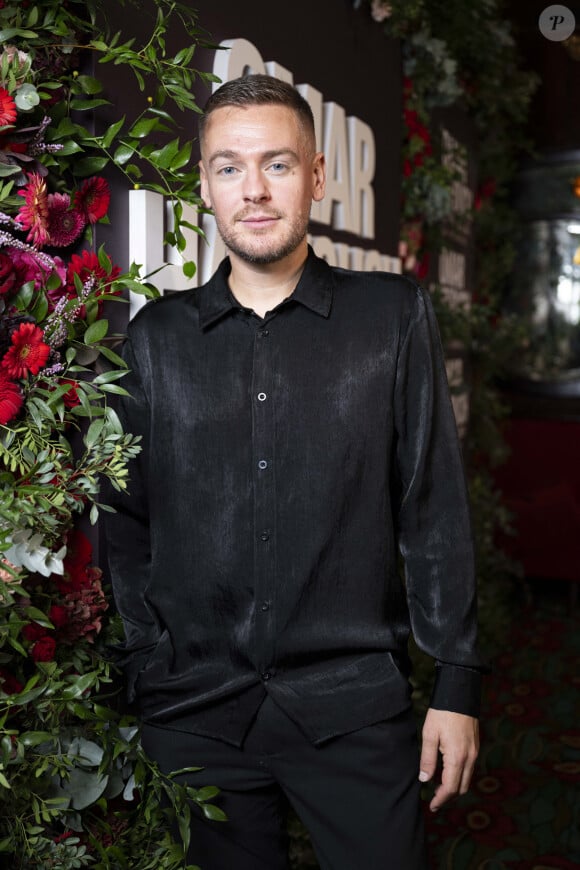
[259, 174]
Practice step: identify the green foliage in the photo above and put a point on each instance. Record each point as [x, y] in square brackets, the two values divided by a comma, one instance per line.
[75, 787]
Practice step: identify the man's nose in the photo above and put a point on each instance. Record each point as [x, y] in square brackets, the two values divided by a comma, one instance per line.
[255, 188]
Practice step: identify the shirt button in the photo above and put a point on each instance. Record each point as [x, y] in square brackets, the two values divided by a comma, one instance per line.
[266, 675]
[263, 333]
[262, 464]
[265, 536]
[265, 605]
[262, 397]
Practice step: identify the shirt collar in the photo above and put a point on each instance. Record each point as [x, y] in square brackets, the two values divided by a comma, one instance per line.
[314, 290]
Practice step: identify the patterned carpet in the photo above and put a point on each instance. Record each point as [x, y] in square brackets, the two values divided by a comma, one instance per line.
[523, 811]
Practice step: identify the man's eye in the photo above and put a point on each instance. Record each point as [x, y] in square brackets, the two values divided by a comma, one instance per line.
[278, 167]
[227, 170]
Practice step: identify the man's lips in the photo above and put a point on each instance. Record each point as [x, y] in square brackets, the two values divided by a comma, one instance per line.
[259, 220]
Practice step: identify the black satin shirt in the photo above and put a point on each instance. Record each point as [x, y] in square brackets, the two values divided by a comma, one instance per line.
[287, 462]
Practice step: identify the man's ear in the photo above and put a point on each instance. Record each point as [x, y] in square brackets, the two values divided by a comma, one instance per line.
[204, 187]
[319, 171]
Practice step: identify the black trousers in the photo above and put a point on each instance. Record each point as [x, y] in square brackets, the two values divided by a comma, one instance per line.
[357, 795]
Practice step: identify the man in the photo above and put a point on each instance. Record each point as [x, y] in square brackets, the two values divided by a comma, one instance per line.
[297, 435]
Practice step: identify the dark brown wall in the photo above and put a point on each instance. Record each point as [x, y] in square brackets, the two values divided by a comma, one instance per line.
[555, 113]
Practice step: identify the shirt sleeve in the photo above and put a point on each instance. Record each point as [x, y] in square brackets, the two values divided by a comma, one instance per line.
[434, 526]
[127, 534]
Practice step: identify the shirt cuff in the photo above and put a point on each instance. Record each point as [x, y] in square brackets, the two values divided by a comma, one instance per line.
[457, 689]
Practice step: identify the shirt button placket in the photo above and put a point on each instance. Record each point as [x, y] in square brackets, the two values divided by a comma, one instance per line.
[264, 504]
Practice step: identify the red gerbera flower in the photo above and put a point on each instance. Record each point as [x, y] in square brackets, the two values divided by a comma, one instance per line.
[34, 215]
[87, 265]
[65, 224]
[93, 199]
[10, 399]
[7, 108]
[28, 352]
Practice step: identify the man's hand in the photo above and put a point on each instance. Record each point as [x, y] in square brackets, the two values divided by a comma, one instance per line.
[456, 737]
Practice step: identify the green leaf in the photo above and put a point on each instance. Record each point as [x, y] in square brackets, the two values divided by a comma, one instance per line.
[214, 813]
[111, 355]
[166, 155]
[112, 133]
[88, 85]
[93, 433]
[69, 148]
[183, 157]
[35, 738]
[26, 98]
[11, 32]
[85, 105]
[24, 296]
[40, 309]
[144, 127]
[189, 269]
[96, 331]
[113, 388]
[123, 153]
[90, 166]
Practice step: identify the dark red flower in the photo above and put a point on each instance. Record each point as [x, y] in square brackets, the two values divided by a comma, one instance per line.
[422, 267]
[411, 119]
[93, 199]
[28, 352]
[8, 683]
[44, 649]
[11, 399]
[8, 277]
[71, 397]
[65, 224]
[58, 615]
[407, 168]
[79, 553]
[33, 632]
[7, 109]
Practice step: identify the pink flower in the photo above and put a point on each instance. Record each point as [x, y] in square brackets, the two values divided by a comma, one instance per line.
[29, 268]
[33, 216]
[8, 277]
[65, 224]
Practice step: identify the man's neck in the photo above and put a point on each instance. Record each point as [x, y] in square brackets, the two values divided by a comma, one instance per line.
[263, 287]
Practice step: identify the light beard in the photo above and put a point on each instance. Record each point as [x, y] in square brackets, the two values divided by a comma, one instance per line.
[253, 253]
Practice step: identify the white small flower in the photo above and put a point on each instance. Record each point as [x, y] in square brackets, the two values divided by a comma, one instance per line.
[27, 551]
[381, 10]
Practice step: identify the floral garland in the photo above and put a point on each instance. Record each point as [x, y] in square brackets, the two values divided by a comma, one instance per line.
[465, 54]
[69, 762]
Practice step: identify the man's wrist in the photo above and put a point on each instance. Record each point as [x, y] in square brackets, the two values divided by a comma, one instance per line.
[457, 689]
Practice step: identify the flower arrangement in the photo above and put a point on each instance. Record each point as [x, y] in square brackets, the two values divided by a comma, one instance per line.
[75, 788]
